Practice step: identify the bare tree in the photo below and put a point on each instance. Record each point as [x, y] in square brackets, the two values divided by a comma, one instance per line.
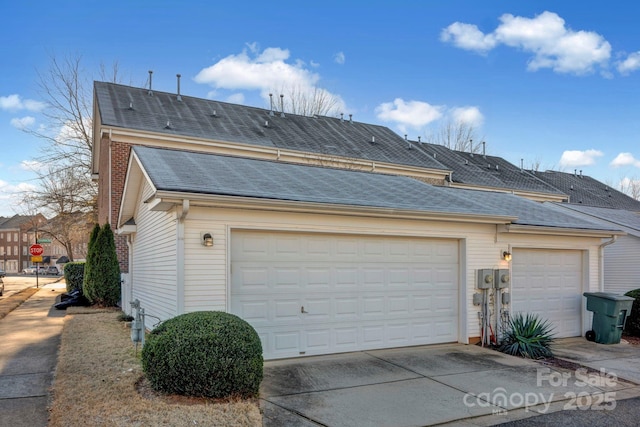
[457, 135]
[306, 101]
[65, 190]
[631, 187]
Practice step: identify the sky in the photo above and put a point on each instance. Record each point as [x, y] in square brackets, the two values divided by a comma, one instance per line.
[546, 83]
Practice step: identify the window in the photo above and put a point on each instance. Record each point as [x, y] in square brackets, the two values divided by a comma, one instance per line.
[24, 250]
[15, 237]
[8, 237]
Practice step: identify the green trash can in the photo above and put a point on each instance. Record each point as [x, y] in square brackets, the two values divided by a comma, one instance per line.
[609, 315]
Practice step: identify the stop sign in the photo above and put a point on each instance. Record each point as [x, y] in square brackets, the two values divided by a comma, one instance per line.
[36, 250]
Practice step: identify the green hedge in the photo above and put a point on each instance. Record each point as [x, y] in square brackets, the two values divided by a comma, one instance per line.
[74, 275]
[632, 327]
[205, 354]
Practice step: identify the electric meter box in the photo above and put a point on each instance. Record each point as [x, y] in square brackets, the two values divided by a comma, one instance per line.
[502, 279]
[485, 278]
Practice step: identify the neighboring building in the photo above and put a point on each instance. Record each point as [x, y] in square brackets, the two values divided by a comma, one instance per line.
[16, 235]
[586, 191]
[327, 235]
[621, 269]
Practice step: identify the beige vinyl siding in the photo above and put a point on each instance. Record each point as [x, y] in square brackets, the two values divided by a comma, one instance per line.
[205, 267]
[622, 265]
[154, 262]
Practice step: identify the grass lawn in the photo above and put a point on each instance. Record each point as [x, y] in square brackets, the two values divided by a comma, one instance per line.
[99, 382]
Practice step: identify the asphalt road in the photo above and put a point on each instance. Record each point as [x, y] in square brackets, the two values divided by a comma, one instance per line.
[625, 413]
[14, 283]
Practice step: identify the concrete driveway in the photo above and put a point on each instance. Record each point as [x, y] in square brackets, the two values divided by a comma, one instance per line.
[427, 385]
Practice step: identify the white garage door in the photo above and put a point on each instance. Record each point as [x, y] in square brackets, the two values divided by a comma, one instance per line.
[549, 282]
[311, 293]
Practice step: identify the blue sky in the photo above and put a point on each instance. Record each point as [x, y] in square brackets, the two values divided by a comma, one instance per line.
[555, 83]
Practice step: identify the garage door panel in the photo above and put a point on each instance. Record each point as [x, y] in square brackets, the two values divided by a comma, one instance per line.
[549, 283]
[358, 292]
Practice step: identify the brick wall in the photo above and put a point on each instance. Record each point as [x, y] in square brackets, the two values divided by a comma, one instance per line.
[113, 180]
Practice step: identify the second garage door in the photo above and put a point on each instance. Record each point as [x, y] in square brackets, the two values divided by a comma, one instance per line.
[308, 293]
[549, 283]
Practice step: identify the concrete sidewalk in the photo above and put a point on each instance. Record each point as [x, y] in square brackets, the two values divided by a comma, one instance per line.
[443, 384]
[29, 336]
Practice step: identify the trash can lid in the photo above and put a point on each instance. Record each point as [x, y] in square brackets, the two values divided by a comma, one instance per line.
[609, 296]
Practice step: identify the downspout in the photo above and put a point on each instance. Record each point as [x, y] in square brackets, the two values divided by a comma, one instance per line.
[180, 257]
[601, 259]
[130, 265]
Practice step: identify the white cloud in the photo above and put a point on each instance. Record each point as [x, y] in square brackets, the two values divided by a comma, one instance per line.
[15, 103]
[631, 63]
[23, 122]
[412, 114]
[579, 158]
[468, 115]
[468, 37]
[236, 98]
[11, 196]
[625, 159]
[269, 71]
[552, 44]
[339, 58]
[32, 165]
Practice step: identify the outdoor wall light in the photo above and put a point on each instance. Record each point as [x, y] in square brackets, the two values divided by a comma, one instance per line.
[207, 239]
[506, 255]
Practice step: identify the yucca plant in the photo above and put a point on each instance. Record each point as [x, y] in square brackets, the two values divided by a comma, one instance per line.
[528, 336]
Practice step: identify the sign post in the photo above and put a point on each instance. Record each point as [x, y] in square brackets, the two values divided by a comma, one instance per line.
[36, 252]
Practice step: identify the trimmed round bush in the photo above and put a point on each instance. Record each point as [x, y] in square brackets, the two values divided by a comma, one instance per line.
[632, 325]
[204, 354]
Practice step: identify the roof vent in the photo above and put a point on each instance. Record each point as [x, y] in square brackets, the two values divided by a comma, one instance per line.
[266, 123]
[271, 104]
[342, 117]
[496, 167]
[281, 105]
[350, 118]
[434, 155]
[168, 126]
[150, 92]
[131, 106]
[405, 136]
[571, 188]
[214, 113]
[373, 139]
[466, 162]
[419, 137]
[179, 98]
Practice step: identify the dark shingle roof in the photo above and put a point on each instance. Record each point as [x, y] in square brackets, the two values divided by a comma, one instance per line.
[133, 108]
[628, 220]
[15, 221]
[489, 171]
[190, 172]
[584, 190]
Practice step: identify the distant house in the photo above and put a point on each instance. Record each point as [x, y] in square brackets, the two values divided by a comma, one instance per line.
[16, 235]
[326, 234]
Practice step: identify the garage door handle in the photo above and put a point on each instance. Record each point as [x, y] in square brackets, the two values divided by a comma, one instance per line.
[302, 310]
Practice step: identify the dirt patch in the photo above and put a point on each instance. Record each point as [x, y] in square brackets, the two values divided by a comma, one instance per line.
[98, 383]
[631, 339]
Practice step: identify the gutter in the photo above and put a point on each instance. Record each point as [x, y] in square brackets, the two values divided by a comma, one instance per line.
[601, 259]
[180, 255]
